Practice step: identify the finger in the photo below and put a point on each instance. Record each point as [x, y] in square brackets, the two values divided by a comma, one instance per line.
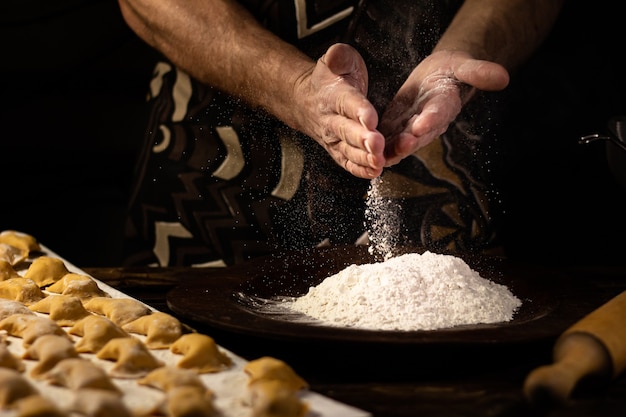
[428, 123]
[356, 161]
[343, 59]
[361, 157]
[484, 75]
[402, 108]
[361, 171]
[358, 109]
[360, 145]
[436, 114]
[399, 147]
[405, 144]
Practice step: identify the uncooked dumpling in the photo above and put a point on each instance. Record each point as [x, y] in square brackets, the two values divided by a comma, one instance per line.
[200, 353]
[100, 403]
[186, 394]
[46, 270]
[23, 290]
[65, 310]
[30, 327]
[9, 360]
[95, 332]
[188, 401]
[19, 240]
[273, 387]
[13, 387]
[167, 377]
[160, 329]
[48, 350]
[79, 373]
[37, 406]
[272, 398]
[11, 254]
[119, 310]
[10, 307]
[7, 271]
[268, 368]
[79, 285]
[132, 358]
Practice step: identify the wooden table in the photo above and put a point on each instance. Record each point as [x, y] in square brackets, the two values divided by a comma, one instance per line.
[455, 383]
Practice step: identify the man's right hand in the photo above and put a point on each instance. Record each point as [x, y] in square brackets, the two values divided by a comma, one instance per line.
[337, 113]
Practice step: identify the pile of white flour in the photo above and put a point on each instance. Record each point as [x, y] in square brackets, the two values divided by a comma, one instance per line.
[409, 292]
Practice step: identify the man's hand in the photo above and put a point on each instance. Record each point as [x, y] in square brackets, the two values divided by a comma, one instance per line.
[432, 97]
[337, 113]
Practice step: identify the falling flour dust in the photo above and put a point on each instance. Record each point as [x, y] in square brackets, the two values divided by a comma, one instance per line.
[383, 221]
[408, 292]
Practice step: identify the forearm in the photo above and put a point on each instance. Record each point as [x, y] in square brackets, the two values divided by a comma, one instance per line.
[219, 43]
[502, 31]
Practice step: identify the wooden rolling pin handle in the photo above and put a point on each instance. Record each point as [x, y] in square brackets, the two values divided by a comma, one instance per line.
[592, 350]
[580, 360]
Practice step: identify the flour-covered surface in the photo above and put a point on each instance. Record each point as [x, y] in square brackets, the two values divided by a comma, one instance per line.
[230, 391]
[409, 292]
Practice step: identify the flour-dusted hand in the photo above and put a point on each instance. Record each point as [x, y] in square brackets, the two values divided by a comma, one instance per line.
[338, 114]
[432, 97]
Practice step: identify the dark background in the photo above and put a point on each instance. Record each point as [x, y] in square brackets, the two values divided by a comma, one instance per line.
[73, 80]
[562, 203]
[73, 84]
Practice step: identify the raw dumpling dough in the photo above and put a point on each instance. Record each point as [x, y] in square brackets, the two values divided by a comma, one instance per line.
[79, 285]
[10, 307]
[268, 368]
[274, 388]
[160, 329]
[167, 377]
[65, 310]
[200, 353]
[20, 240]
[46, 270]
[79, 373]
[95, 332]
[132, 358]
[186, 394]
[272, 398]
[30, 327]
[37, 406]
[8, 360]
[188, 401]
[23, 290]
[100, 403]
[119, 310]
[7, 271]
[13, 387]
[49, 350]
[11, 254]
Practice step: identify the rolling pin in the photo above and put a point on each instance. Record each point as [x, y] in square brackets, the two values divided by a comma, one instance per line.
[588, 355]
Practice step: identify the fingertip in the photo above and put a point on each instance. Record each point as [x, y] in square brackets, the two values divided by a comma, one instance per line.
[505, 79]
[374, 142]
[368, 147]
[407, 143]
[373, 173]
[365, 172]
[374, 162]
[368, 173]
[367, 116]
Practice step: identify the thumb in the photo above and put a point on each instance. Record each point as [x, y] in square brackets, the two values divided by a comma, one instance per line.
[343, 60]
[483, 75]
